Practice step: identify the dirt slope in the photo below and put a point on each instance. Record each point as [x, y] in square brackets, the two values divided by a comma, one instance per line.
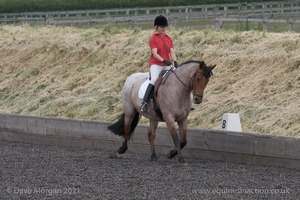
[79, 73]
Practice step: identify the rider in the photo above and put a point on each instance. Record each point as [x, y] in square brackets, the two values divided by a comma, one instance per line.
[162, 53]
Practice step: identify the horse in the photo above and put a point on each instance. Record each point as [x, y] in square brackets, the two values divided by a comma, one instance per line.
[172, 97]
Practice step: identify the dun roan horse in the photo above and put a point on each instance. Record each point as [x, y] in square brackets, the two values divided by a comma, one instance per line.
[174, 100]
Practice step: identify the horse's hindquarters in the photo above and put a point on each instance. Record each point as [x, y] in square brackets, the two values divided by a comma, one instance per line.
[130, 100]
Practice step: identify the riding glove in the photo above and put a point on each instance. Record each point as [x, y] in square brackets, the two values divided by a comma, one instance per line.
[166, 62]
[175, 64]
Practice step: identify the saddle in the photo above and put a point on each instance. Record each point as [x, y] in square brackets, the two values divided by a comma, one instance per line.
[160, 81]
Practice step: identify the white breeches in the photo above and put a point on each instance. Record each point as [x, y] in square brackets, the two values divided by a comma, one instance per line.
[155, 71]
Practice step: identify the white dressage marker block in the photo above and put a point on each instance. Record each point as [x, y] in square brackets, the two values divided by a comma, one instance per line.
[231, 122]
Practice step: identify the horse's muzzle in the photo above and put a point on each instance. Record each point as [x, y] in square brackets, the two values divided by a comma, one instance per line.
[197, 99]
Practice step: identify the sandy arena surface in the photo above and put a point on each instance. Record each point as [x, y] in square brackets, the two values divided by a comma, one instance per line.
[50, 172]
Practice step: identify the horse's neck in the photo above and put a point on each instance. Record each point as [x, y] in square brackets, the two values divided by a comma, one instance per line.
[185, 74]
[186, 71]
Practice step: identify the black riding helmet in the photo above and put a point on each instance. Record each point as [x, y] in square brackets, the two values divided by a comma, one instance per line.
[160, 21]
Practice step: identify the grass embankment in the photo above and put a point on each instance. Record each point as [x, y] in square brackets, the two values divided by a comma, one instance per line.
[79, 73]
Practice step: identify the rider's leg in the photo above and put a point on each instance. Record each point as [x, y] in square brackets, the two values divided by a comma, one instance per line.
[147, 96]
[154, 71]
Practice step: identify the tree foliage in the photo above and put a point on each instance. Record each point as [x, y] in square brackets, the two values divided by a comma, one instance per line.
[11, 6]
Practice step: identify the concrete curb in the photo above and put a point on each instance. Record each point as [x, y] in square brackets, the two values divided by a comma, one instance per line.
[204, 144]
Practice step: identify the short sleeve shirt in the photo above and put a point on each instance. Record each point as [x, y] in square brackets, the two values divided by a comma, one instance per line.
[163, 44]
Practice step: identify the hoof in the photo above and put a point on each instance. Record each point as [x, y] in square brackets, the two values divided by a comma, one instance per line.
[172, 154]
[114, 156]
[181, 159]
[154, 157]
[122, 150]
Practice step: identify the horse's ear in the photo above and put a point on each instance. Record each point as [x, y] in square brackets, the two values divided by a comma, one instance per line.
[211, 67]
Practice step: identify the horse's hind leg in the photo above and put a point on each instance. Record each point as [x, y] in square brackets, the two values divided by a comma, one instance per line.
[128, 119]
[124, 146]
[152, 135]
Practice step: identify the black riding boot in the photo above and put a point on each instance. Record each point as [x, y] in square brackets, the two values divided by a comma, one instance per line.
[147, 96]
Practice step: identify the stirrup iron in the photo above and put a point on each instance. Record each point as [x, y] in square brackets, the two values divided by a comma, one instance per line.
[144, 107]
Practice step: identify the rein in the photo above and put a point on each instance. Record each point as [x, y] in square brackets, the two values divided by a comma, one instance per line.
[181, 80]
[193, 77]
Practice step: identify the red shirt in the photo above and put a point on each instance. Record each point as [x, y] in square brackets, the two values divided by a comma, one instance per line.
[163, 44]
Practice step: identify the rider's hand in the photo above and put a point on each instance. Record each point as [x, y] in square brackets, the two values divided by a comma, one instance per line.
[166, 62]
[175, 64]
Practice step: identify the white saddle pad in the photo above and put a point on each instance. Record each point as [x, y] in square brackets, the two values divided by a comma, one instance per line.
[143, 88]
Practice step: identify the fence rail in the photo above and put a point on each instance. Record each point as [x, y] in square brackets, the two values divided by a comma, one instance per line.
[179, 16]
[290, 23]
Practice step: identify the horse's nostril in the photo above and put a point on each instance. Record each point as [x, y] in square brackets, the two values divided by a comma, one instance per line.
[197, 99]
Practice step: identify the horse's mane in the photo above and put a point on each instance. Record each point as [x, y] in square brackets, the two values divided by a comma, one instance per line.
[207, 72]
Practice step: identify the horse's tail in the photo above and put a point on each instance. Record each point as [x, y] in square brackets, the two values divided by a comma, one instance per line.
[118, 127]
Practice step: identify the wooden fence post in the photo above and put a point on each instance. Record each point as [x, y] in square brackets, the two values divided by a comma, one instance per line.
[187, 11]
[130, 24]
[225, 10]
[205, 11]
[265, 25]
[175, 22]
[253, 8]
[290, 21]
[219, 25]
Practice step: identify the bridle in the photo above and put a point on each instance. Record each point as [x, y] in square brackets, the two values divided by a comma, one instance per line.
[193, 85]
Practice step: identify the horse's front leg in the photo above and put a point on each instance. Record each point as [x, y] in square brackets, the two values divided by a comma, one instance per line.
[172, 129]
[152, 136]
[182, 131]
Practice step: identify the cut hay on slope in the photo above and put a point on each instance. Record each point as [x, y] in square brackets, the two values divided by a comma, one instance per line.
[79, 73]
